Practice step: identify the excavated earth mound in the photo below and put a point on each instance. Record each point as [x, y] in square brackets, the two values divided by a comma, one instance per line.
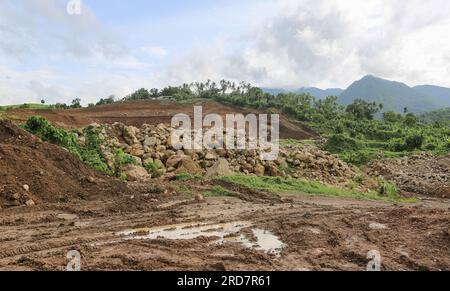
[422, 174]
[153, 112]
[32, 172]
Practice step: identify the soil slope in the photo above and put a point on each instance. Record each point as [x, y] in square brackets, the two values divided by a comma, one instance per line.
[138, 113]
[31, 170]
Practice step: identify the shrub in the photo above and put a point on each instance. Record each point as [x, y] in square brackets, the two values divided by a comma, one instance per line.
[396, 145]
[122, 159]
[431, 147]
[89, 153]
[387, 189]
[153, 170]
[339, 143]
[358, 158]
[414, 141]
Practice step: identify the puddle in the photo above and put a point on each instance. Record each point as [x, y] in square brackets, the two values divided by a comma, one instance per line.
[226, 232]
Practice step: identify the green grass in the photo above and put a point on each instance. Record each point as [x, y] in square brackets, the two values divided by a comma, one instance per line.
[218, 191]
[293, 186]
[24, 106]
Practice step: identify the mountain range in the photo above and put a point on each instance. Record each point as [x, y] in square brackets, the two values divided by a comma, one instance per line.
[395, 96]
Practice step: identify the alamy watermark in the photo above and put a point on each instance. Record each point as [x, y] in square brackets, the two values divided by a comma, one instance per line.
[238, 132]
[74, 264]
[374, 264]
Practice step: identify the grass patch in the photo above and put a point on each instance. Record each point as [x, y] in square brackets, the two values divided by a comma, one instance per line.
[292, 186]
[24, 106]
[218, 191]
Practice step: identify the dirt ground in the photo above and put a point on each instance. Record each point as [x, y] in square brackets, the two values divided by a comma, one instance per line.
[159, 225]
[150, 112]
[316, 233]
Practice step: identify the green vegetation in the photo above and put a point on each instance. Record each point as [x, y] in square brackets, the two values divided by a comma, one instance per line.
[357, 133]
[293, 186]
[218, 191]
[89, 152]
[24, 106]
[154, 170]
[439, 117]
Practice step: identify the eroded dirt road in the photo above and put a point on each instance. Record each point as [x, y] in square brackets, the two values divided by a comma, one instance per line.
[151, 232]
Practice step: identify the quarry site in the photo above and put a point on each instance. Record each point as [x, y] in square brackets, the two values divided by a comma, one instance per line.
[156, 208]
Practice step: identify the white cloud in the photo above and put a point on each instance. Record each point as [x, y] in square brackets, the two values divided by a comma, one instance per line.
[47, 53]
[332, 43]
[154, 51]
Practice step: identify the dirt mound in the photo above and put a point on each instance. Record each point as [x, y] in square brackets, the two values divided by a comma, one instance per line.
[32, 172]
[152, 112]
[422, 174]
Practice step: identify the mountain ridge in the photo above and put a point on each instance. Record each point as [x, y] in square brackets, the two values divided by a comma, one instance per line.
[394, 95]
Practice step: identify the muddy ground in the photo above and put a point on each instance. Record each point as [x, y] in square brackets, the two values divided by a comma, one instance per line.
[173, 231]
[159, 225]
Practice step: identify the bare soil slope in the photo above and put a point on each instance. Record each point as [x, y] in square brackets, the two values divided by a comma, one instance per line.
[50, 173]
[138, 113]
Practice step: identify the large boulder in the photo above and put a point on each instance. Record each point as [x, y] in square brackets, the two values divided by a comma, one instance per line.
[220, 168]
[260, 170]
[129, 135]
[151, 141]
[175, 160]
[136, 173]
[188, 166]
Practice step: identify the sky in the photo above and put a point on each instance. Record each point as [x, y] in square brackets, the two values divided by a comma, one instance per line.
[114, 47]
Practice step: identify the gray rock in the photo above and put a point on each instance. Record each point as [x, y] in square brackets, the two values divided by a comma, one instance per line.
[220, 168]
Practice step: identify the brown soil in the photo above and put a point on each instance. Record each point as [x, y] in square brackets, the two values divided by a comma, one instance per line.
[423, 174]
[51, 173]
[79, 209]
[318, 234]
[151, 112]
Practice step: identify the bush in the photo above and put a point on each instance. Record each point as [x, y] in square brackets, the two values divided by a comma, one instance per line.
[414, 142]
[387, 189]
[358, 158]
[89, 153]
[396, 145]
[339, 143]
[431, 147]
[153, 170]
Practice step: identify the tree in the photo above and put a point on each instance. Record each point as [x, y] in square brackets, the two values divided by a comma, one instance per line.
[76, 103]
[141, 94]
[391, 116]
[110, 100]
[154, 92]
[362, 109]
[410, 119]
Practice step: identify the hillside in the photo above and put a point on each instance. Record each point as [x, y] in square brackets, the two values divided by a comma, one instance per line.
[442, 116]
[441, 95]
[393, 95]
[316, 92]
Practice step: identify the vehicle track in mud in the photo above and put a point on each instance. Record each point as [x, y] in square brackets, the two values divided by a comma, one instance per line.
[319, 234]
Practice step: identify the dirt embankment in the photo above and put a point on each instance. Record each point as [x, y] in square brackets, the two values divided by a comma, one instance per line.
[32, 171]
[420, 174]
[138, 113]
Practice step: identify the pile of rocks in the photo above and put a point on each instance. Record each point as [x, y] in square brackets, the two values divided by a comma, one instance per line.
[422, 174]
[151, 145]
